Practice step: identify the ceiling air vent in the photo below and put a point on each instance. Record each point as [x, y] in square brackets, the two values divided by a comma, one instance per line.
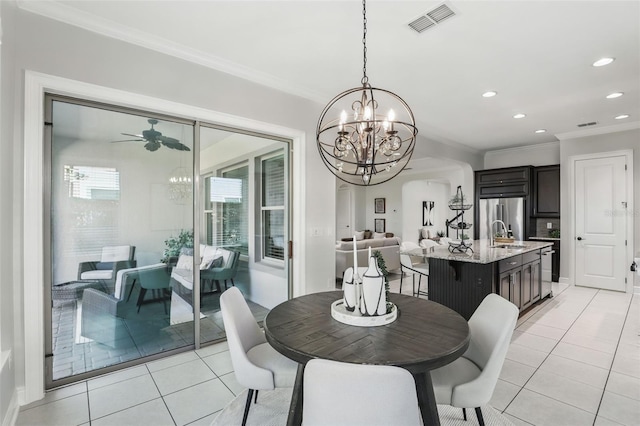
[592, 123]
[432, 17]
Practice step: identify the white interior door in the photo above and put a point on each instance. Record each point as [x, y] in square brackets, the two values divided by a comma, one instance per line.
[344, 219]
[600, 221]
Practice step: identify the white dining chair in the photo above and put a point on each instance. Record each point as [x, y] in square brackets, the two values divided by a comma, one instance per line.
[469, 381]
[256, 364]
[338, 393]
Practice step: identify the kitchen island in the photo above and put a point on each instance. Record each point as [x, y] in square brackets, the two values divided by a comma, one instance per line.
[461, 281]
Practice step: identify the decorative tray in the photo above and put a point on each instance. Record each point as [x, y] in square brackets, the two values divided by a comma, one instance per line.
[339, 313]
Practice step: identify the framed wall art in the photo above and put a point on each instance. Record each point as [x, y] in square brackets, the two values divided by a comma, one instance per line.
[380, 205]
[379, 225]
[427, 213]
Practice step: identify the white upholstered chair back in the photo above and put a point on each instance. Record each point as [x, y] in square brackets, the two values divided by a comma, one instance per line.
[242, 335]
[469, 381]
[115, 253]
[337, 393]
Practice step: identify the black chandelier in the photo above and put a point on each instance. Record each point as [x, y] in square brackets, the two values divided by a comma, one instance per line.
[357, 142]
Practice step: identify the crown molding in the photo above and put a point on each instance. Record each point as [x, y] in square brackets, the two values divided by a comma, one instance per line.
[599, 130]
[552, 144]
[72, 16]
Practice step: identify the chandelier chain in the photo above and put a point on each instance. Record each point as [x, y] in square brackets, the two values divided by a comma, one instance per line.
[365, 79]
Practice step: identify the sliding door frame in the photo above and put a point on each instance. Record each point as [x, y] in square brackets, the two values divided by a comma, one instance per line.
[36, 86]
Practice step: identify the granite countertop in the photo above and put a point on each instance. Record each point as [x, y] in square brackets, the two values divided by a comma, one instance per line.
[483, 252]
[545, 238]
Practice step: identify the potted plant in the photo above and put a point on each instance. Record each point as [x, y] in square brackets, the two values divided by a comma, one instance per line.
[383, 269]
[173, 245]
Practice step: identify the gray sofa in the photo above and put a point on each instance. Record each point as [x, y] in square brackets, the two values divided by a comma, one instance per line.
[389, 247]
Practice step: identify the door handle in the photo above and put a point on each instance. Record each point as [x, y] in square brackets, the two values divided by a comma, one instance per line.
[579, 238]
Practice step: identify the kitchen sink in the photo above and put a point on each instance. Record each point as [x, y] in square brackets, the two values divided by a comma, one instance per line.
[508, 246]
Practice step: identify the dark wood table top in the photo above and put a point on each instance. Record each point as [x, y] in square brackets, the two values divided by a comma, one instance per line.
[426, 335]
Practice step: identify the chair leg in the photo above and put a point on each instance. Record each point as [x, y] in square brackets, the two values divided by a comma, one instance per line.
[225, 284]
[255, 399]
[143, 291]
[401, 276]
[479, 414]
[232, 283]
[464, 414]
[246, 407]
[133, 284]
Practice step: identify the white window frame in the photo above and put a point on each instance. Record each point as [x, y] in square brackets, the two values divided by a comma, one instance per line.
[262, 225]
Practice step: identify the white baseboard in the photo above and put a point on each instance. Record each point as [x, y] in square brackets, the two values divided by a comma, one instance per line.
[564, 280]
[11, 416]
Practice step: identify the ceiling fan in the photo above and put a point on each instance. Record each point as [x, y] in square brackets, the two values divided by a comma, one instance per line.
[154, 139]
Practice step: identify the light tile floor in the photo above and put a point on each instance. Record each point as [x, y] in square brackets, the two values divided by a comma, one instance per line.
[574, 360]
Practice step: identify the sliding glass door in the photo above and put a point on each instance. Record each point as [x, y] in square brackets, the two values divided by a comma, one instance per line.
[245, 198]
[133, 273]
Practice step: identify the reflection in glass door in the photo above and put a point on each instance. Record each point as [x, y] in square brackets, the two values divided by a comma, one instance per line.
[121, 216]
[245, 223]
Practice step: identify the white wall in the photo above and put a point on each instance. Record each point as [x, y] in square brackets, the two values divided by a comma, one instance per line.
[629, 139]
[452, 175]
[413, 194]
[9, 171]
[531, 155]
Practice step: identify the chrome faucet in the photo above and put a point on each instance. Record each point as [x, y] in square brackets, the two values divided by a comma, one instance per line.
[491, 230]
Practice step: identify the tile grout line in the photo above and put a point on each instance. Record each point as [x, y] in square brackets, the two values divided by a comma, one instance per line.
[546, 357]
[86, 386]
[626, 317]
[160, 393]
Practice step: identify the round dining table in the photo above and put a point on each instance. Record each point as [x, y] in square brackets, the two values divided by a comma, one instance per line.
[426, 335]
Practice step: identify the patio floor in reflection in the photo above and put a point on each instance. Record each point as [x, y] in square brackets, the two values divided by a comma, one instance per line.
[73, 354]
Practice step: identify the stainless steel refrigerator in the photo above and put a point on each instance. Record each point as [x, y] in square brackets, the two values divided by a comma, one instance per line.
[508, 210]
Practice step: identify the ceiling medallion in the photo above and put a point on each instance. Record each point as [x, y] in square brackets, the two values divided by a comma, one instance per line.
[357, 142]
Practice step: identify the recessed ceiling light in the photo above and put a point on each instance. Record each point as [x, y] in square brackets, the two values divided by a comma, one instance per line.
[614, 95]
[541, 130]
[621, 116]
[489, 94]
[519, 115]
[603, 61]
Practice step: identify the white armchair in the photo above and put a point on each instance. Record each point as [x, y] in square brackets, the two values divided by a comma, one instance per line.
[337, 393]
[255, 363]
[112, 259]
[470, 380]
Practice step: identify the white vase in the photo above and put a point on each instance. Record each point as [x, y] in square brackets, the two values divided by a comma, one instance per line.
[349, 288]
[372, 290]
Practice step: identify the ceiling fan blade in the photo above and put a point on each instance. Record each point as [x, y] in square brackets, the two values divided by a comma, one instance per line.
[173, 143]
[134, 136]
[129, 140]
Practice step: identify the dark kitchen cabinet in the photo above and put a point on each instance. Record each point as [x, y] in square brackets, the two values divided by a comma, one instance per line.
[546, 191]
[507, 182]
[530, 283]
[555, 262]
[519, 279]
[510, 279]
[503, 176]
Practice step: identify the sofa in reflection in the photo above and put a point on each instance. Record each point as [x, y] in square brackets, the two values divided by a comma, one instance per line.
[217, 265]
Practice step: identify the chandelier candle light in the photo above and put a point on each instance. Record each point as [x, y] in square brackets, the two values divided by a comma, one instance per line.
[372, 135]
